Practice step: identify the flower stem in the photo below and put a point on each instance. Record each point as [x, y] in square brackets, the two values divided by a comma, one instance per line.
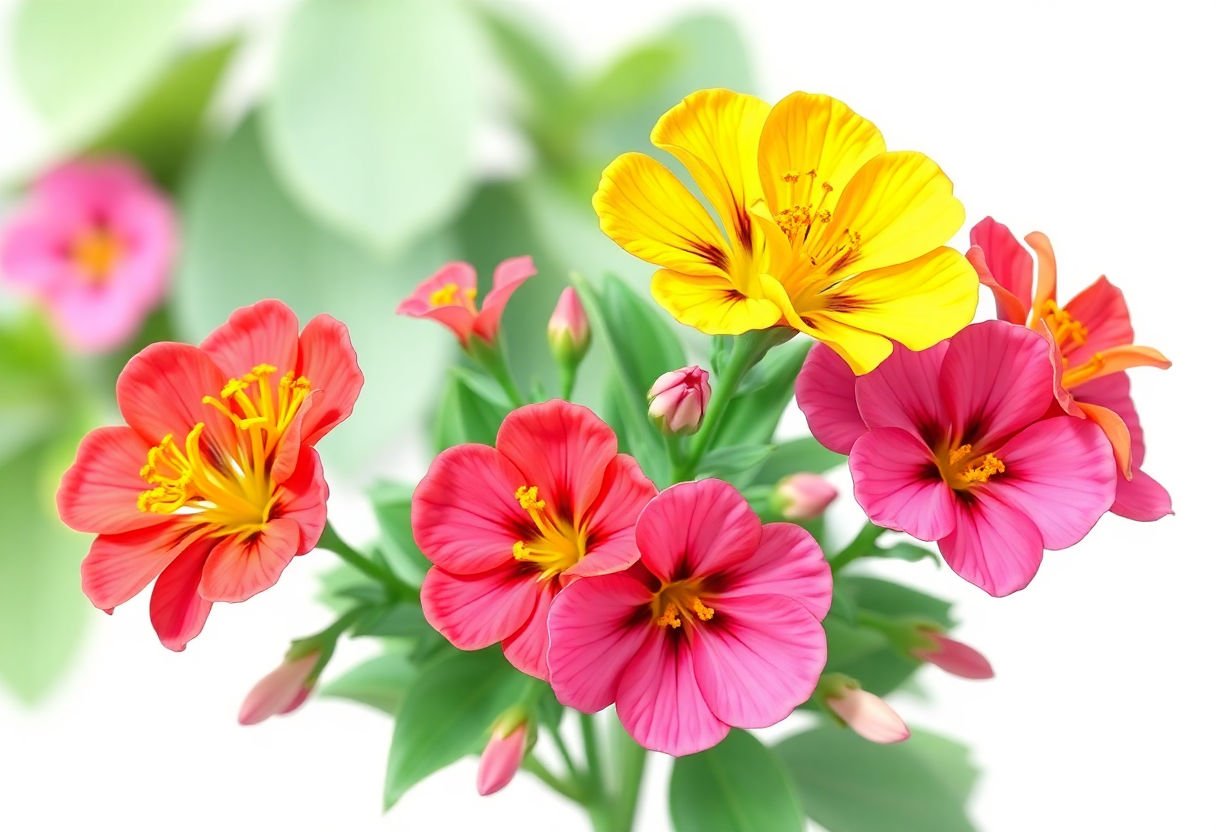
[631, 759]
[492, 358]
[591, 750]
[862, 545]
[568, 374]
[576, 772]
[558, 784]
[331, 541]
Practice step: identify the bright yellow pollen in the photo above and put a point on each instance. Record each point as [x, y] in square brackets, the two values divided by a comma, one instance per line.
[227, 488]
[450, 294]
[557, 545]
[963, 469]
[678, 602]
[1067, 330]
[96, 252]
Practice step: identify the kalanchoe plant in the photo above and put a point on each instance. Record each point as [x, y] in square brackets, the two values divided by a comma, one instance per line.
[659, 554]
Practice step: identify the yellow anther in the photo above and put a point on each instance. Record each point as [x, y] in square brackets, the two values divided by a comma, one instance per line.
[790, 178]
[982, 469]
[960, 453]
[527, 495]
[234, 386]
[670, 618]
[450, 294]
[703, 612]
[96, 252]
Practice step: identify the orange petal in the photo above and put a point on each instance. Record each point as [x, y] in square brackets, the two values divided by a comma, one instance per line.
[1116, 431]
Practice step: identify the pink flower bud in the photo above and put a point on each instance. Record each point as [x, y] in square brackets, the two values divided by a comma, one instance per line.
[868, 715]
[503, 755]
[804, 496]
[569, 332]
[953, 656]
[281, 691]
[678, 400]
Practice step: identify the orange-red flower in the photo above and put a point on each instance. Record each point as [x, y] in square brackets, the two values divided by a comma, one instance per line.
[213, 483]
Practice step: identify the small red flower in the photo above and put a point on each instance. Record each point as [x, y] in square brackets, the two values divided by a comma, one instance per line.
[213, 484]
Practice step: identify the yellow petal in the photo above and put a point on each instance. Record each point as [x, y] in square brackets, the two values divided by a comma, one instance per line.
[716, 135]
[917, 303]
[711, 304]
[645, 209]
[810, 147]
[861, 349]
[896, 208]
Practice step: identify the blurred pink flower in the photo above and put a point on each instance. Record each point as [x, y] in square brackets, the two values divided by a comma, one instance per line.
[868, 715]
[804, 496]
[449, 297]
[717, 625]
[678, 400]
[281, 691]
[952, 656]
[94, 244]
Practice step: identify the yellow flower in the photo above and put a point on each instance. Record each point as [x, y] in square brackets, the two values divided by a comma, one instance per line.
[818, 227]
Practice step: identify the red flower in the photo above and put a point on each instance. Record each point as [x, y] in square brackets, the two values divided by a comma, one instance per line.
[213, 484]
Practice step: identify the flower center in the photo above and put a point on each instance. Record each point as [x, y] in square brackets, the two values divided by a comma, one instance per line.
[677, 602]
[1067, 330]
[556, 546]
[962, 468]
[452, 295]
[95, 253]
[230, 489]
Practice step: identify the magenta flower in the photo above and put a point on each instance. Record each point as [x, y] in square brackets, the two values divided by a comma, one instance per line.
[718, 624]
[678, 400]
[962, 444]
[449, 296]
[952, 656]
[569, 329]
[94, 245]
[508, 526]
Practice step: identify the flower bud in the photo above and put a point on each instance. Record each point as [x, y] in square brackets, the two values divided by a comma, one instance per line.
[952, 656]
[504, 753]
[678, 400]
[804, 496]
[868, 715]
[569, 332]
[281, 691]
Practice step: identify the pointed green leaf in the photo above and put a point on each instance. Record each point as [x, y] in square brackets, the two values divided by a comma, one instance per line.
[738, 785]
[380, 683]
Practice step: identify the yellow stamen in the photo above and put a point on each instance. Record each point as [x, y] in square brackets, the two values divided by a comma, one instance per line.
[962, 468]
[557, 545]
[1067, 330]
[450, 294]
[677, 602]
[96, 252]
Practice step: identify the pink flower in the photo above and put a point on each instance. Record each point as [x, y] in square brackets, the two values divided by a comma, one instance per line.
[94, 244]
[1092, 346]
[281, 691]
[503, 755]
[952, 656]
[569, 331]
[508, 526]
[868, 715]
[804, 496]
[678, 400]
[449, 296]
[718, 625]
[958, 444]
[213, 486]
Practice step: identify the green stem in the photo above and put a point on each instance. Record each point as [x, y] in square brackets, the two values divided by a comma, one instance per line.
[558, 784]
[492, 357]
[862, 545]
[568, 374]
[576, 773]
[331, 541]
[632, 761]
[591, 749]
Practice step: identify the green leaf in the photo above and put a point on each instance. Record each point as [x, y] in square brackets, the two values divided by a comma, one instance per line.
[535, 66]
[403, 620]
[848, 644]
[380, 682]
[850, 785]
[632, 77]
[378, 144]
[753, 414]
[736, 786]
[33, 386]
[467, 411]
[81, 61]
[391, 504]
[906, 550]
[162, 128]
[724, 462]
[796, 456]
[447, 713]
[896, 600]
[245, 240]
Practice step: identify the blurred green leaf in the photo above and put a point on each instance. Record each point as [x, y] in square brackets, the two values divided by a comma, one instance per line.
[402, 620]
[766, 391]
[849, 643]
[245, 240]
[42, 610]
[162, 129]
[33, 387]
[738, 785]
[81, 61]
[850, 785]
[632, 77]
[380, 682]
[378, 144]
[734, 459]
[391, 504]
[796, 456]
[911, 552]
[467, 413]
[447, 713]
[896, 600]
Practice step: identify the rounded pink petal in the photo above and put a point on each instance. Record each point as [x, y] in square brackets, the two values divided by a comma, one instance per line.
[996, 378]
[508, 277]
[32, 244]
[266, 332]
[659, 701]
[280, 691]
[501, 759]
[528, 647]
[464, 513]
[1141, 498]
[95, 320]
[1102, 310]
[475, 611]
[1009, 264]
[904, 391]
[456, 316]
[869, 716]
[563, 449]
[896, 481]
[99, 493]
[118, 566]
[758, 658]
[826, 390]
[1061, 474]
[239, 569]
[327, 359]
[596, 626]
[789, 562]
[160, 393]
[611, 545]
[697, 529]
[994, 546]
[178, 611]
[956, 658]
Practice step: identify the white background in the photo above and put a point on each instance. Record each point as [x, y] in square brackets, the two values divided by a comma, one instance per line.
[1092, 123]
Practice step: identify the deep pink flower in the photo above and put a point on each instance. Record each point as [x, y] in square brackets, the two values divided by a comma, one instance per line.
[678, 400]
[1093, 344]
[958, 444]
[508, 526]
[718, 625]
[94, 244]
[952, 656]
[449, 297]
[569, 329]
[281, 691]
